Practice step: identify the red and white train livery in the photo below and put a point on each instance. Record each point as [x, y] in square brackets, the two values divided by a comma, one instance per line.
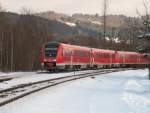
[64, 56]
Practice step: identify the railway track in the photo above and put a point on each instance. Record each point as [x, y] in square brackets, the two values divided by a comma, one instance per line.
[11, 94]
[6, 78]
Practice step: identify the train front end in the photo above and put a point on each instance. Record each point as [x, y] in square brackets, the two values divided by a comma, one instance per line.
[49, 55]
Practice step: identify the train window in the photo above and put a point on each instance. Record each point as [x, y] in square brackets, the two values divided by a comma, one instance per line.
[103, 55]
[51, 50]
[67, 52]
[79, 53]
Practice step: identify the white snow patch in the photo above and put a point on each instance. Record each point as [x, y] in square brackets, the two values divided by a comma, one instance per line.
[28, 77]
[68, 23]
[119, 92]
[133, 85]
[97, 22]
[107, 38]
[116, 40]
[10, 73]
[138, 103]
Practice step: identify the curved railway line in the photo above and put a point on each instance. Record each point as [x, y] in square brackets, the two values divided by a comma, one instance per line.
[12, 94]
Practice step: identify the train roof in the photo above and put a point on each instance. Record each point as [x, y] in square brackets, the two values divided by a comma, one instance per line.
[53, 43]
[128, 53]
[103, 50]
[68, 45]
[94, 49]
[75, 46]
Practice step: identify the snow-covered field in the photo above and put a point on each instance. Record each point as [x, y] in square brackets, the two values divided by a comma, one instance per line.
[28, 77]
[119, 92]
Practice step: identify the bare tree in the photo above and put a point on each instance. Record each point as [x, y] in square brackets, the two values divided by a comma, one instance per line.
[146, 16]
[12, 51]
[26, 11]
[1, 8]
[1, 49]
[146, 20]
[2, 19]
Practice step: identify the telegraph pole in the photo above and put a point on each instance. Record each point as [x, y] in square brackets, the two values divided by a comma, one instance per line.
[105, 9]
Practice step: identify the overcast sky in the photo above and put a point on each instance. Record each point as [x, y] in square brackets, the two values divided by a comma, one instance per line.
[127, 7]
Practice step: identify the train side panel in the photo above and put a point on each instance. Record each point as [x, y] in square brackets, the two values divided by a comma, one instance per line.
[65, 56]
[103, 58]
[69, 56]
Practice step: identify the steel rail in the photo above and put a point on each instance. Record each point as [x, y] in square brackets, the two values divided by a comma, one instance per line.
[12, 94]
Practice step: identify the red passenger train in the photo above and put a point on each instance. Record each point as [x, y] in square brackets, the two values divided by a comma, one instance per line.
[64, 56]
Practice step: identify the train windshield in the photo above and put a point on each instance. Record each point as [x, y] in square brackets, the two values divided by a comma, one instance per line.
[51, 50]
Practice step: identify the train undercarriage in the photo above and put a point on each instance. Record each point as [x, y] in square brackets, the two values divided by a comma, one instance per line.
[57, 67]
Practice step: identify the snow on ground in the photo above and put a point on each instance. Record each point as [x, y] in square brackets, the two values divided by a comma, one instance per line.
[2, 74]
[97, 22]
[71, 24]
[119, 92]
[27, 77]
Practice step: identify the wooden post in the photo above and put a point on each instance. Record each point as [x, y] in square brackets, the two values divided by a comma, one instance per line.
[149, 67]
[149, 70]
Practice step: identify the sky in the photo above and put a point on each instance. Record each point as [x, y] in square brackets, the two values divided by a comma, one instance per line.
[126, 7]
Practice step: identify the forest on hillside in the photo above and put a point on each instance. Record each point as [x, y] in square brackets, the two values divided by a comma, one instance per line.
[22, 37]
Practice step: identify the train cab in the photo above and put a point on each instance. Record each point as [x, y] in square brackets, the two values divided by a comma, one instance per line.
[49, 52]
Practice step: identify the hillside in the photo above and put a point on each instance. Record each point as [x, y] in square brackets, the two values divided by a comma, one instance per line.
[112, 20]
[92, 25]
[23, 35]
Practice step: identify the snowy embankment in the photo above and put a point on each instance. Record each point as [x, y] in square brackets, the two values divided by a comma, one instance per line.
[119, 92]
[2, 74]
[28, 77]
